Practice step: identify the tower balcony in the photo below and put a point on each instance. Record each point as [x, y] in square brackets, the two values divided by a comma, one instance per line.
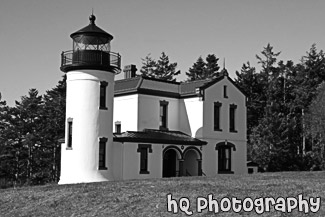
[90, 59]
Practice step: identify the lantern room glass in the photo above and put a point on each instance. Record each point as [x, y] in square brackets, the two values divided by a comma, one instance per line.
[84, 42]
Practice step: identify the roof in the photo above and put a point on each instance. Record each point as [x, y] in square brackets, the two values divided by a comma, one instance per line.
[189, 88]
[153, 86]
[93, 30]
[158, 136]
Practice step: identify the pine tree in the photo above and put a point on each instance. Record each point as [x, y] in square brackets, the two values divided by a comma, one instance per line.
[204, 70]
[315, 121]
[166, 70]
[160, 69]
[197, 72]
[29, 111]
[212, 66]
[148, 66]
[54, 127]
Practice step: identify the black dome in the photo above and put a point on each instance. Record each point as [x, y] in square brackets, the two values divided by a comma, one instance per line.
[92, 33]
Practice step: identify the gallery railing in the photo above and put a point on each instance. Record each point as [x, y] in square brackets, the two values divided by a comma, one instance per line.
[90, 58]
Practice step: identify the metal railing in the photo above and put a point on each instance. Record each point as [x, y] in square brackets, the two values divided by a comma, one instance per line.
[90, 57]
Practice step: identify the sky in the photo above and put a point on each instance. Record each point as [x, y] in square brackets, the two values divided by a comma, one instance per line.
[34, 33]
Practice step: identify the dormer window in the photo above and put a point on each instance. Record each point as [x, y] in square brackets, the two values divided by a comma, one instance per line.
[118, 127]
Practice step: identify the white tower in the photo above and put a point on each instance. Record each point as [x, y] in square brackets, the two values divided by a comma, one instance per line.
[90, 68]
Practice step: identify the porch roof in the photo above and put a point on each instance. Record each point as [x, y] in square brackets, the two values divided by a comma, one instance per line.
[159, 137]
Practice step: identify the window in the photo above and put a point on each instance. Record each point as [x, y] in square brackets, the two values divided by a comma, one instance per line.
[102, 154]
[232, 118]
[102, 95]
[69, 142]
[163, 115]
[225, 95]
[216, 116]
[224, 159]
[143, 149]
[117, 127]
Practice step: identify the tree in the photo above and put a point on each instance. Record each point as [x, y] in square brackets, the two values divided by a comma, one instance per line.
[148, 66]
[204, 70]
[249, 81]
[197, 72]
[315, 121]
[29, 113]
[212, 66]
[54, 127]
[160, 69]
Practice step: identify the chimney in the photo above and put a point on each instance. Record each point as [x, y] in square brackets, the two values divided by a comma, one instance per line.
[129, 71]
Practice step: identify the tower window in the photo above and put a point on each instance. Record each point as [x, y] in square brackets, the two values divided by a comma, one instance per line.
[102, 154]
[216, 116]
[143, 149]
[163, 115]
[69, 142]
[225, 95]
[102, 95]
[117, 127]
[232, 118]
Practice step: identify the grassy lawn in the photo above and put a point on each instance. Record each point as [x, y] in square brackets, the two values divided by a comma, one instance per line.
[149, 197]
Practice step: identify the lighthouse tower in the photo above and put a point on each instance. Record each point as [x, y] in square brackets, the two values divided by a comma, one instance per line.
[90, 67]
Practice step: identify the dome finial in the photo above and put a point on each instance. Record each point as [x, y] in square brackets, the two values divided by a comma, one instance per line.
[92, 17]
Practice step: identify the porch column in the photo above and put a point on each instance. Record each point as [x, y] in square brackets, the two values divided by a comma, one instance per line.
[181, 165]
[199, 165]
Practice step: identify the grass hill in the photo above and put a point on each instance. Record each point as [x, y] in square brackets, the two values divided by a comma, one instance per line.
[149, 197]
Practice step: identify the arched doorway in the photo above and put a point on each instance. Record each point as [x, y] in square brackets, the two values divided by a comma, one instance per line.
[192, 162]
[171, 162]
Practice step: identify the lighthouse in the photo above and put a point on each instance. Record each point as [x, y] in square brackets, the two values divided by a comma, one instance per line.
[86, 154]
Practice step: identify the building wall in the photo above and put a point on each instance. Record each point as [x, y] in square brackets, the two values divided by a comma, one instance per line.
[131, 165]
[118, 160]
[148, 115]
[126, 111]
[191, 116]
[215, 93]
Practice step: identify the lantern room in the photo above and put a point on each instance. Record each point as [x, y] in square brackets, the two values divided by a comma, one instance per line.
[91, 50]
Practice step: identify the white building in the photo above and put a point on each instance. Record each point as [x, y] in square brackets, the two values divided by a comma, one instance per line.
[161, 128]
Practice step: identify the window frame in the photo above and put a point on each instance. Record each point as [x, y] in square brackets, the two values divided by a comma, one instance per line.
[232, 118]
[163, 115]
[103, 95]
[144, 150]
[118, 127]
[224, 163]
[217, 116]
[225, 94]
[102, 153]
[69, 133]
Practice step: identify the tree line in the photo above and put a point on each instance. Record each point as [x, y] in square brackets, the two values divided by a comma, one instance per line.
[29, 134]
[285, 116]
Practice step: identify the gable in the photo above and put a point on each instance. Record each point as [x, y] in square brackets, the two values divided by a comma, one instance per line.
[217, 80]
